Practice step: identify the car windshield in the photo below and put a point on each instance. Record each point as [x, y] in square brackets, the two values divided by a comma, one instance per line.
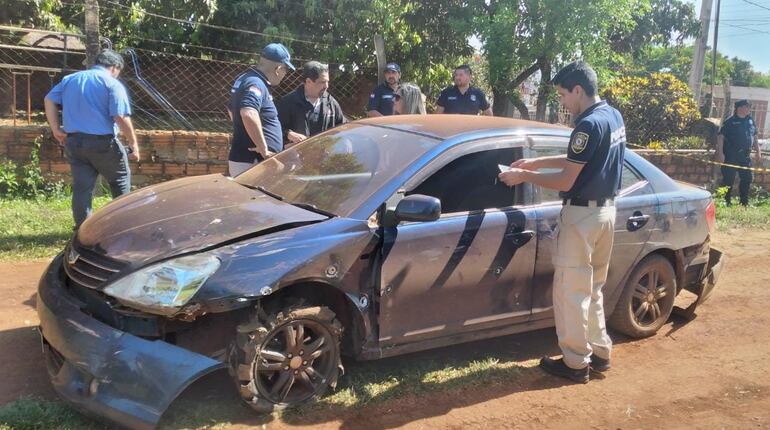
[339, 170]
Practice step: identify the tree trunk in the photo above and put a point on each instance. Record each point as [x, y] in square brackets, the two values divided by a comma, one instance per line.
[500, 101]
[544, 90]
[523, 110]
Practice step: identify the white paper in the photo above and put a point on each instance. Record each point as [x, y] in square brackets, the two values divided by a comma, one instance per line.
[503, 168]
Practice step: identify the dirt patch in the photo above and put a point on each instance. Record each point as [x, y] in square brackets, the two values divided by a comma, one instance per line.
[711, 372]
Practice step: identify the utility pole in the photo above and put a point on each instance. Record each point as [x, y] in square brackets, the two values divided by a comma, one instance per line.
[699, 53]
[714, 60]
[379, 48]
[92, 31]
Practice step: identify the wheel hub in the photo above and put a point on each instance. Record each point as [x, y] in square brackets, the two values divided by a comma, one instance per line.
[295, 362]
[650, 298]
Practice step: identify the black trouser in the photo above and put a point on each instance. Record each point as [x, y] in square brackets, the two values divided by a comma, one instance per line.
[745, 177]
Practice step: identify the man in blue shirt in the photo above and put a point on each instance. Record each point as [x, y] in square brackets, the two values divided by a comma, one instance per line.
[257, 132]
[381, 99]
[462, 98]
[588, 178]
[95, 107]
[736, 139]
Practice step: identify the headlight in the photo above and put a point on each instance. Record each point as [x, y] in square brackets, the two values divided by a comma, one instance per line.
[164, 287]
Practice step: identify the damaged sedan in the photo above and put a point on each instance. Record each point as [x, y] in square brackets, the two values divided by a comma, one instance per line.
[381, 237]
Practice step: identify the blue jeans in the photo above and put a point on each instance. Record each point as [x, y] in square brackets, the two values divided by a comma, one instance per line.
[90, 156]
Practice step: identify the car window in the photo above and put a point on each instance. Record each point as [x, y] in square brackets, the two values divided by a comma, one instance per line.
[629, 177]
[470, 182]
[542, 194]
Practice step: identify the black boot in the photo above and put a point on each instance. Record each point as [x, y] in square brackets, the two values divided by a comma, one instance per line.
[558, 368]
[599, 364]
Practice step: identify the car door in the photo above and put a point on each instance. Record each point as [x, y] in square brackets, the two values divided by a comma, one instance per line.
[469, 270]
[636, 211]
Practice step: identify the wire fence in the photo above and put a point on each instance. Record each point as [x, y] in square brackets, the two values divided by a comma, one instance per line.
[167, 91]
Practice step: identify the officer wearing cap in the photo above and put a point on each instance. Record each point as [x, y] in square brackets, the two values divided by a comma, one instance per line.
[462, 97]
[589, 179]
[734, 143]
[257, 131]
[381, 99]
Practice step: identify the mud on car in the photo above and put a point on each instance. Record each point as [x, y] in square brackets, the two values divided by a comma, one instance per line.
[378, 238]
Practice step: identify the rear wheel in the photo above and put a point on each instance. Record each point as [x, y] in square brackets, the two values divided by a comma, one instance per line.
[647, 299]
[287, 358]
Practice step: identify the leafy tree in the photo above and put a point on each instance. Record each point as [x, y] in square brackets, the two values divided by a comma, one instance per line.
[655, 108]
[657, 23]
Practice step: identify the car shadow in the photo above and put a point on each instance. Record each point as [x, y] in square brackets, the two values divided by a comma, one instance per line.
[408, 378]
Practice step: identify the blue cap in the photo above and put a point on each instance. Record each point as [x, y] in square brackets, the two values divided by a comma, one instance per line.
[278, 53]
[392, 67]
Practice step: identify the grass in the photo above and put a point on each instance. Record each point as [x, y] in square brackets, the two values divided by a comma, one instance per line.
[36, 228]
[737, 216]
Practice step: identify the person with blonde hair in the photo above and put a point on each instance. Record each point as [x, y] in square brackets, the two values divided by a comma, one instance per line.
[408, 100]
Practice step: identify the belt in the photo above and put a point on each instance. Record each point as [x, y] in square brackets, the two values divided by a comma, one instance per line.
[93, 136]
[588, 203]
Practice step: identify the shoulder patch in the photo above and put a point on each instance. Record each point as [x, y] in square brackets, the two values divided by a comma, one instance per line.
[254, 89]
[579, 141]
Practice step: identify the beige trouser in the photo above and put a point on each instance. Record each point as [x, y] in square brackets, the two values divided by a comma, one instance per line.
[236, 168]
[581, 259]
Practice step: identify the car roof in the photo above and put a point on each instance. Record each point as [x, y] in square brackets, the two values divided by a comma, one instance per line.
[450, 126]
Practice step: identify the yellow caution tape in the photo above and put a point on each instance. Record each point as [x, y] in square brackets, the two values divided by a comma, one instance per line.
[714, 163]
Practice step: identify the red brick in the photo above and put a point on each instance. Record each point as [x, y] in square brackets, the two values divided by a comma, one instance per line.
[146, 168]
[197, 169]
[192, 154]
[60, 167]
[19, 152]
[174, 170]
[218, 168]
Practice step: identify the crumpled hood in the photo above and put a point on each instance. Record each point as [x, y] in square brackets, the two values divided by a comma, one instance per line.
[182, 216]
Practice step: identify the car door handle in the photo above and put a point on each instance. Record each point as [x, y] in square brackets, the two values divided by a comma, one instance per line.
[521, 238]
[636, 221]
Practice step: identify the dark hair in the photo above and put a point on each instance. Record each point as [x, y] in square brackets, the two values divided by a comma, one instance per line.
[313, 69]
[110, 58]
[465, 67]
[577, 73]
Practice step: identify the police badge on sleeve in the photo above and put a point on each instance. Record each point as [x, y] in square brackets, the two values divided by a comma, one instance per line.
[579, 142]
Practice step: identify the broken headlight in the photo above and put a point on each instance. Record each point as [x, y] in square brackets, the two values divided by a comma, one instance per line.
[164, 287]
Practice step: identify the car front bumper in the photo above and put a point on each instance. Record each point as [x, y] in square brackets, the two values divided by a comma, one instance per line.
[101, 370]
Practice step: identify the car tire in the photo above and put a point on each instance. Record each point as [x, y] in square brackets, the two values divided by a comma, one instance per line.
[647, 298]
[286, 358]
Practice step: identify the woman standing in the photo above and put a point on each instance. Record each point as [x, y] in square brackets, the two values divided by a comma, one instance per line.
[408, 100]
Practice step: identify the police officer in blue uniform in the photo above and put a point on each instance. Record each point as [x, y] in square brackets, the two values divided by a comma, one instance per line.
[736, 138]
[588, 178]
[257, 132]
[382, 97]
[462, 97]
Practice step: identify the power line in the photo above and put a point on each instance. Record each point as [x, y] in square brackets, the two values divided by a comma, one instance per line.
[219, 27]
[753, 30]
[757, 4]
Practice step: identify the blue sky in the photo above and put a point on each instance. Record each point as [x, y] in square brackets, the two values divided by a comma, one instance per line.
[744, 30]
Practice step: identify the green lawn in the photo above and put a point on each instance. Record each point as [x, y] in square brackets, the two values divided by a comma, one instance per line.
[36, 228]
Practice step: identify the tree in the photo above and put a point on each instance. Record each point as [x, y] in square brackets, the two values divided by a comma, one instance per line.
[655, 108]
[658, 23]
[522, 37]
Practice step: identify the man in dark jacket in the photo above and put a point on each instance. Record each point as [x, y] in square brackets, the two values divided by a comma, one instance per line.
[309, 109]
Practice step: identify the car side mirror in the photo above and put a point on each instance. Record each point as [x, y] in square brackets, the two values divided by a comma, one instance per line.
[418, 207]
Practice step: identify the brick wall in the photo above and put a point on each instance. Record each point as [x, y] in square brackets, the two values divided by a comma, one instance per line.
[165, 154]
[173, 154]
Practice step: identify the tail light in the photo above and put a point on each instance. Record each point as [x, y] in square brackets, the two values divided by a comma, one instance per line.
[711, 216]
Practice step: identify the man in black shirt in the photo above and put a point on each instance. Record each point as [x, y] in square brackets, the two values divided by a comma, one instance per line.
[381, 99]
[736, 138]
[309, 109]
[463, 98]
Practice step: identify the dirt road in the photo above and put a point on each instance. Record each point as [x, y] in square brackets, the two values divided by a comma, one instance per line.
[711, 372]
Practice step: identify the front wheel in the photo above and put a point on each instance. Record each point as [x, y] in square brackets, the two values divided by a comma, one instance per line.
[647, 299]
[287, 358]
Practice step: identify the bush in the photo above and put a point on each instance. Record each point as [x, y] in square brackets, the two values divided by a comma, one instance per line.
[27, 181]
[684, 142]
[655, 108]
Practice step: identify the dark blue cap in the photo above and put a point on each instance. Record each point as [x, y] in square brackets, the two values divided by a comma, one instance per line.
[742, 102]
[392, 67]
[278, 53]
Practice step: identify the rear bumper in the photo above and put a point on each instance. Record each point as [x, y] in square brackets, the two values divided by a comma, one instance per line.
[123, 378]
[713, 270]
